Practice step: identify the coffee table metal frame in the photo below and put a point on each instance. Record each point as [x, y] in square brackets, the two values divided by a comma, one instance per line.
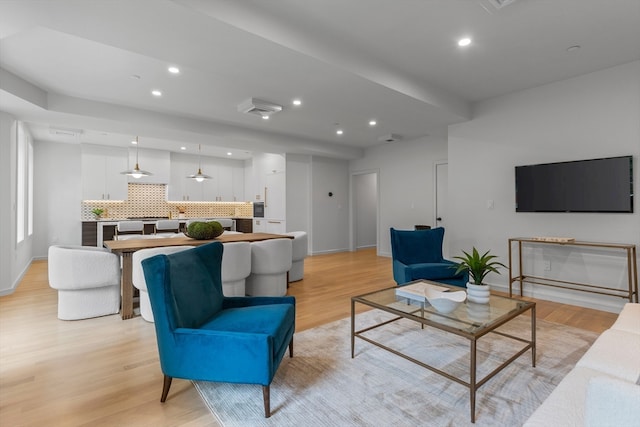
[418, 315]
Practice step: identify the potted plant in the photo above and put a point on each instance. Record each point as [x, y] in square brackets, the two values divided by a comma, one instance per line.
[478, 267]
[97, 212]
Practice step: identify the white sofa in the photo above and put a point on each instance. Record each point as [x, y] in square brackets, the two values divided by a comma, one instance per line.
[603, 389]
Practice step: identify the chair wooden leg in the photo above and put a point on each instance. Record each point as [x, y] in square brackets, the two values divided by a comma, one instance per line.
[266, 396]
[165, 387]
[291, 347]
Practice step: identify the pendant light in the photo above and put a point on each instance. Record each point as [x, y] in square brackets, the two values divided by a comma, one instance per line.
[136, 172]
[199, 176]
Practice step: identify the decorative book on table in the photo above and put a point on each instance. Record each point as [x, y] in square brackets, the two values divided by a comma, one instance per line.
[415, 291]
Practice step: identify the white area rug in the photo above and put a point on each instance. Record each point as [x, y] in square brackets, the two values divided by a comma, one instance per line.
[322, 386]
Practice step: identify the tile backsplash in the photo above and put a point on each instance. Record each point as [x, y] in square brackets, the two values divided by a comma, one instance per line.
[150, 200]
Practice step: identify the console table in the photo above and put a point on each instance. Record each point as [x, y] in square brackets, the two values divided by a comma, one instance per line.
[632, 269]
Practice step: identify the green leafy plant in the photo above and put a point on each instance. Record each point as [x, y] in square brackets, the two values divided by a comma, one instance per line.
[200, 230]
[97, 211]
[478, 265]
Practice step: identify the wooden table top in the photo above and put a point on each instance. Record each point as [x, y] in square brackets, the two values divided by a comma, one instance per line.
[132, 245]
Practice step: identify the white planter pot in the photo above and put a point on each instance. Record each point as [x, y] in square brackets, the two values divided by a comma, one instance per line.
[478, 293]
[478, 312]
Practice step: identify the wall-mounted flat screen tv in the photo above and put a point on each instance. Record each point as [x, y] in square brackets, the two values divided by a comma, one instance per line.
[596, 185]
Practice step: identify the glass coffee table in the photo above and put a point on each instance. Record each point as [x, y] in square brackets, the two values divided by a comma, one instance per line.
[464, 321]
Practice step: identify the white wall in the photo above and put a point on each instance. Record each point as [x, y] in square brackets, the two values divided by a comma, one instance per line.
[406, 190]
[330, 215]
[7, 184]
[58, 192]
[590, 116]
[14, 258]
[299, 193]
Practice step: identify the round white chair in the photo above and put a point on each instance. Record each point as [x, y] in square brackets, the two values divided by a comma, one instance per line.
[270, 261]
[236, 267]
[137, 275]
[300, 251]
[87, 279]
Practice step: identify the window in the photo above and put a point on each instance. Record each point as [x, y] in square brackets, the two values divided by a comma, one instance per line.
[24, 184]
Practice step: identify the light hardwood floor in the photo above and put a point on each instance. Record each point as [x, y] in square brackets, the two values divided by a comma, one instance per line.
[105, 371]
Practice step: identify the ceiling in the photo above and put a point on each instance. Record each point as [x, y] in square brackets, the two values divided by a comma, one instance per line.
[82, 71]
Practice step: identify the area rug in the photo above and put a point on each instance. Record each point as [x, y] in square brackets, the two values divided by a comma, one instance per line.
[323, 386]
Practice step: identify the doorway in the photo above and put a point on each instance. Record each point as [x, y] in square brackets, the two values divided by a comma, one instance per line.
[441, 180]
[364, 210]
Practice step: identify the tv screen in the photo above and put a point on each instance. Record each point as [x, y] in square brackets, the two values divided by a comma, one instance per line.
[597, 185]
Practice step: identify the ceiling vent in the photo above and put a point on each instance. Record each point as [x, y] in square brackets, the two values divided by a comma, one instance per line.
[392, 137]
[75, 133]
[495, 4]
[259, 107]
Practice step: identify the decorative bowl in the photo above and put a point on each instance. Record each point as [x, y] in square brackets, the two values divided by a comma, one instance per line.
[444, 302]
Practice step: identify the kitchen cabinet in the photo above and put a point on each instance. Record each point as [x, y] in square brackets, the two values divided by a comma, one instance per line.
[101, 173]
[224, 183]
[89, 233]
[238, 183]
[275, 226]
[244, 225]
[259, 225]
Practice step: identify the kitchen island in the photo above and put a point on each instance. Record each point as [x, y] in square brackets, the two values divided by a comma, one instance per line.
[95, 232]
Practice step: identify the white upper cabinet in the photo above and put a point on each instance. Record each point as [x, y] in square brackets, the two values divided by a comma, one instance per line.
[157, 162]
[238, 183]
[225, 183]
[101, 173]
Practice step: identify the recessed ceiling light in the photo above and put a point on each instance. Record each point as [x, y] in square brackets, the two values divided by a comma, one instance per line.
[372, 123]
[339, 132]
[183, 148]
[134, 142]
[297, 102]
[265, 117]
[229, 153]
[156, 92]
[174, 70]
[464, 42]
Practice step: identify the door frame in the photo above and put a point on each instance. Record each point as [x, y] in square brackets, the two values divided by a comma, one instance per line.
[352, 220]
[445, 246]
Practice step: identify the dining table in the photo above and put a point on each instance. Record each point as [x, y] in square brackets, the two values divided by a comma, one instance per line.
[126, 248]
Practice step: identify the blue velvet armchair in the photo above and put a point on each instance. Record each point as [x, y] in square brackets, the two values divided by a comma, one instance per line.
[417, 254]
[205, 336]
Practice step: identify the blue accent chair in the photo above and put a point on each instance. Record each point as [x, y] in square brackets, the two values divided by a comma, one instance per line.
[203, 335]
[417, 254]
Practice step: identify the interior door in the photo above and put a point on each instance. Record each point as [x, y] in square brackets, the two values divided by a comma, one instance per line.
[442, 187]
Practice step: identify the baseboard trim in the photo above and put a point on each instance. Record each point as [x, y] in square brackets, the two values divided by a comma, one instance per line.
[577, 298]
[17, 281]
